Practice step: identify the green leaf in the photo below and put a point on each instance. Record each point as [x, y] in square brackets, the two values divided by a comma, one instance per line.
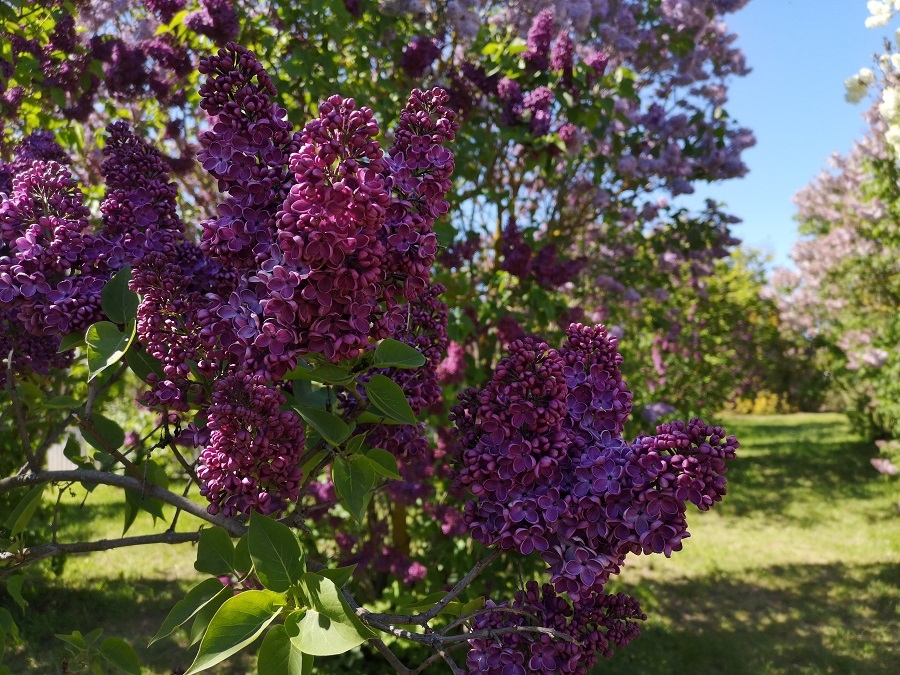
[327, 372]
[389, 398]
[367, 417]
[330, 626]
[278, 655]
[135, 502]
[143, 363]
[106, 344]
[121, 655]
[32, 395]
[239, 621]
[8, 624]
[75, 639]
[61, 402]
[340, 576]
[119, 303]
[353, 482]
[394, 354]
[109, 433]
[384, 463]
[18, 519]
[355, 444]
[243, 563]
[215, 552]
[14, 588]
[186, 608]
[207, 612]
[71, 341]
[426, 603]
[331, 427]
[276, 554]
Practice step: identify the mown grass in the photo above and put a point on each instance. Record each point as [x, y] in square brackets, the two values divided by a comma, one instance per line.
[798, 571]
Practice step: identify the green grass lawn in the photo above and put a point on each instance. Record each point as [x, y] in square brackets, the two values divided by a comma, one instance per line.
[798, 571]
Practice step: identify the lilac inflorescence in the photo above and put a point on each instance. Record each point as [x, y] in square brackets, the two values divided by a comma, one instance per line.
[541, 450]
[585, 629]
[247, 151]
[253, 457]
[46, 254]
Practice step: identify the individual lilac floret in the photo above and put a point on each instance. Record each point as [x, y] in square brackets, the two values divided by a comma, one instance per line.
[253, 458]
[595, 624]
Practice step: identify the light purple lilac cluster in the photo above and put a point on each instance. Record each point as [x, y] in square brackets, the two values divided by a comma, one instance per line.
[596, 623]
[47, 271]
[541, 450]
[253, 458]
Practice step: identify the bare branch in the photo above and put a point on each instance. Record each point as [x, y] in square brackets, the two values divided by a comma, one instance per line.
[30, 556]
[233, 527]
[495, 632]
[390, 657]
[20, 414]
[423, 618]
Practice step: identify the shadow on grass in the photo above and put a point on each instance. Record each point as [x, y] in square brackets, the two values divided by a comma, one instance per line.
[812, 461]
[790, 619]
[133, 610]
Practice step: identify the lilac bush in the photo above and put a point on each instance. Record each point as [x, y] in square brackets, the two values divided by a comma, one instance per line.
[291, 347]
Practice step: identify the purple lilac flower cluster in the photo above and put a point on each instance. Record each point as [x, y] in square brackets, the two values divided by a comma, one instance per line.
[246, 150]
[216, 19]
[595, 624]
[419, 55]
[541, 450]
[545, 267]
[253, 457]
[44, 246]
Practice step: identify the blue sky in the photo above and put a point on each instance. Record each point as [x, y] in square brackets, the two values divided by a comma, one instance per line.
[800, 51]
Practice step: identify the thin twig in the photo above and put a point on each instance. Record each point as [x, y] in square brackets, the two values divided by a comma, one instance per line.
[29, 556]
[87, 424]
[481, 612]
[20, 414]
[390, 657]
[233, 527]
[423, 618]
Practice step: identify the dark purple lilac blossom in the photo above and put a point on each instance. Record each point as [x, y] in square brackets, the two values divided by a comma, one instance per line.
[164, 9]
[595, 623]
[541, 450]
[216, 19]
[419, 55]
[253, 458]
[246, 150]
